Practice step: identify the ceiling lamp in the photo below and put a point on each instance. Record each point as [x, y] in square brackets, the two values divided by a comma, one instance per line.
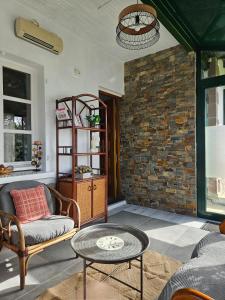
[138, 27]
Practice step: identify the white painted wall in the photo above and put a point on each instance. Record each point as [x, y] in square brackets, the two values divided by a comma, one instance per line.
[96, 66]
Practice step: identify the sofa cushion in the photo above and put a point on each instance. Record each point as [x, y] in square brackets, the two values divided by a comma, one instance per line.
[44, 229]
[205, 272]
[211, 244]
[30, 204]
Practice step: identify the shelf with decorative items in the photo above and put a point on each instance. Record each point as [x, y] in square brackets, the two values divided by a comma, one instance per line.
[83, 172]
[84, 128]
[83, 154]
[82, 163]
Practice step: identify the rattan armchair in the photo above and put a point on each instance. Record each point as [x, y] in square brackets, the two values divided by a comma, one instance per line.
[222, 227]
[190, 294]
[59, 206]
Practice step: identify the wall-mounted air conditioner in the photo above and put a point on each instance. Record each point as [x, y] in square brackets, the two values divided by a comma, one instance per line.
[31, 31]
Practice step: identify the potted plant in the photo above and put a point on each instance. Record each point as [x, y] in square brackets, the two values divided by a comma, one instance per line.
[94, 120]
[83, 172]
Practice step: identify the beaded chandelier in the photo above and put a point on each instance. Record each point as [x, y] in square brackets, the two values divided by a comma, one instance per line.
[138, 27]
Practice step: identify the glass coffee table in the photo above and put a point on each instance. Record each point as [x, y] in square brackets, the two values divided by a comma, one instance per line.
[110, 244]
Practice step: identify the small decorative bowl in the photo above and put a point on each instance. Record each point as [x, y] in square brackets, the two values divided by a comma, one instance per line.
[6, 170]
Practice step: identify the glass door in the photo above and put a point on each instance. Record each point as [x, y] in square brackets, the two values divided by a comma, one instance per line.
[210, 133]
[215, 150]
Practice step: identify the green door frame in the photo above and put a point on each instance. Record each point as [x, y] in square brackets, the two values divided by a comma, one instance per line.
[201, 86]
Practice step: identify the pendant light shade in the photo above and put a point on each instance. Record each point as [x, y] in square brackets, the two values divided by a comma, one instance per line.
[138, 27]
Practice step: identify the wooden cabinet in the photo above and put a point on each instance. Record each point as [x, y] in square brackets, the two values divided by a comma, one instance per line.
[89, 194]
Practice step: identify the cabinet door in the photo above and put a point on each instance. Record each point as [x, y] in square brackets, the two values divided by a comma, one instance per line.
[84, 199]
[99, 196]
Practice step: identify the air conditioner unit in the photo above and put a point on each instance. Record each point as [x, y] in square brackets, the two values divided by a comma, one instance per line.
[30, 31]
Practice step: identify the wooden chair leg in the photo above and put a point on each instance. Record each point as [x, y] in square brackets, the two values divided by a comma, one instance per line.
[1, 239]
[22, 263]
[1, 243]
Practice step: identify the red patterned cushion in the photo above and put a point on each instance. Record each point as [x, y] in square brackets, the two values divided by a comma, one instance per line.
[30, 204]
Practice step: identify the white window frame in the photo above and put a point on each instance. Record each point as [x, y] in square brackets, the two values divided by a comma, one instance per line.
[22, 165]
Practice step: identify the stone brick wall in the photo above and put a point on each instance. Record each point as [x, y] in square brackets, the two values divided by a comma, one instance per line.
[157, 118]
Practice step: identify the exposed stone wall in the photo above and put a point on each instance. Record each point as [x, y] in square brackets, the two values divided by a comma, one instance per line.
[157, 118]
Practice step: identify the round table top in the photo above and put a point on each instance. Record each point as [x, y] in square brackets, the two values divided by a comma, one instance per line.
[110, 243]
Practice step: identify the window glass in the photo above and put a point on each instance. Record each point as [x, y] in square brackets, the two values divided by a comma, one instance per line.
[17, 115]
[213, 63]
[215, 149]
[16, 84]
[17, 147]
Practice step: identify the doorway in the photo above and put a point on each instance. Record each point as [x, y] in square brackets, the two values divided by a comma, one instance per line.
[112, 102]
[210, 136]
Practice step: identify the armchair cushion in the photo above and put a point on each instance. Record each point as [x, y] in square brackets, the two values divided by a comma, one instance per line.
[30, 204]
[43, 229]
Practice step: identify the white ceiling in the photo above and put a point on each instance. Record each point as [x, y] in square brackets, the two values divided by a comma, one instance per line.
[85, 18]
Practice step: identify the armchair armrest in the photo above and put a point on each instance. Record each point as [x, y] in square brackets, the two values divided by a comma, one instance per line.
[6, 229]
[189, 294]
[222, 227]
[60, 198]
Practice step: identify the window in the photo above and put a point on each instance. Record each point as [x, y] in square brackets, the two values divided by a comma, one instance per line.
[15, 114]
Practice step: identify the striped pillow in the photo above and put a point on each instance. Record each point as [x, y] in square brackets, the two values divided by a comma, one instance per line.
[30, 204]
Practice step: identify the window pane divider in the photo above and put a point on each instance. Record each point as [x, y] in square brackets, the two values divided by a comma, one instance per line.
[5, 97]
[17, 131]
[25, 163]
[21, 164]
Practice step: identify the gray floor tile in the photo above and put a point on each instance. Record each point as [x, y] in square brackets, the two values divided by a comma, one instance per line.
[128, 219]
[5, 255]
[38, 290]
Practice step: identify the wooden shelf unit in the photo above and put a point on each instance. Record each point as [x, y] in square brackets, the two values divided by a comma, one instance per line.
[83, 128]
[90, 193]
[83, 154]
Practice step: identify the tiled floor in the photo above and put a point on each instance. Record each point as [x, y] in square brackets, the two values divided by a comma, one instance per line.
[166, 216]
[170, 234]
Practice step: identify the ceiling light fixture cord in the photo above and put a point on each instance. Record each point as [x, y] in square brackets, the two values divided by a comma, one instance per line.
[104, 4]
